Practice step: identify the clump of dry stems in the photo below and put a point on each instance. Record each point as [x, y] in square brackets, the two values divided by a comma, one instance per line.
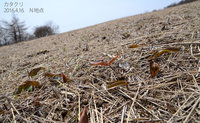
[171, 95]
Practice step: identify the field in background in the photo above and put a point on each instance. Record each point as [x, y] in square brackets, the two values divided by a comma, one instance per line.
[154, 79]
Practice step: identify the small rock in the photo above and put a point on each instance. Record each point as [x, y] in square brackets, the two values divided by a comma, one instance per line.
[124, 66]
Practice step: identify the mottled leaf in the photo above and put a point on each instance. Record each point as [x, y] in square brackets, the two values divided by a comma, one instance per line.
[27, 85]
[107, 63]
[35, 71]
[154, 68]
[84, 116]
[118, 83]
[156, 54]
[65, 78]
[137, 45]
[133, 46]
[101, 63]
[167, 50]
[51, 75]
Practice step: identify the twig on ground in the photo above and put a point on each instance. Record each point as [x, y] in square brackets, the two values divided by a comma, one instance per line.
[169, 121]
[194, 106]
[123, 113]
[134, 99]
[13, 115]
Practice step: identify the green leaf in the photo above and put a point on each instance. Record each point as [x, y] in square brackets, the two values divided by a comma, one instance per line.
[30, 89]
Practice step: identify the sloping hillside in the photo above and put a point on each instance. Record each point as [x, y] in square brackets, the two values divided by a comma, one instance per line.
[156, 77]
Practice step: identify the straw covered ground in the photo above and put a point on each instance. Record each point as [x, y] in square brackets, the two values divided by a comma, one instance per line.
[154, 78]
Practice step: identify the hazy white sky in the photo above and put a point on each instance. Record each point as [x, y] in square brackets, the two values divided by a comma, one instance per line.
[75, 14]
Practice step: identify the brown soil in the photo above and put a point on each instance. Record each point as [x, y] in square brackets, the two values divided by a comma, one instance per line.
[173, 95]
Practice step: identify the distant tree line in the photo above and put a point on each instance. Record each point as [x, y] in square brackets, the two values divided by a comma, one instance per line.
[16, 31]
[46, 30]
[180, 3]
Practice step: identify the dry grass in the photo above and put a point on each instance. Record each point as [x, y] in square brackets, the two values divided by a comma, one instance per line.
[172, 96]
